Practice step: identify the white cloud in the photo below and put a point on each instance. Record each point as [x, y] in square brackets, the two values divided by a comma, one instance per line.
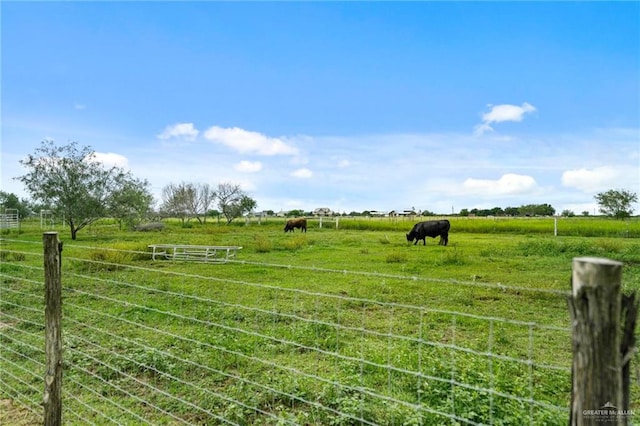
[344, 163]
[246, 142]
[179, 130]
[79, 106]
[302, 173]
[247, 185]
[248, 166]
[500, 113]
[508, 184]
[110, 159]
[601, 178]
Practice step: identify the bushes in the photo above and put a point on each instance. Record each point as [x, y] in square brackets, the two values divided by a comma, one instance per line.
[110, 259]
[263, 245]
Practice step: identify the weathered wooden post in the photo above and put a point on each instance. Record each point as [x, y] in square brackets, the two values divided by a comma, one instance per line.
[52, 401]
[595, 309]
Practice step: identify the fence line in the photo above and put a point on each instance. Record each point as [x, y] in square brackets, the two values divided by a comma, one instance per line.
[373, 360]
[417, 278]
[327, 295]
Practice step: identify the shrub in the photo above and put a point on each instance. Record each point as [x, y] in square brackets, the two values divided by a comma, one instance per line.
[263, 245]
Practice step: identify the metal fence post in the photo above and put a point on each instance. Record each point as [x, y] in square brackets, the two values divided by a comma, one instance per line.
[52, 400]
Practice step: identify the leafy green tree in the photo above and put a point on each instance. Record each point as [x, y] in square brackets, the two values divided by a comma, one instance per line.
[11, 201]
[616, 202]
[537, 210]
[233, 202]
[131, 203]
[76, 186]
[295, 213]
[511, 211]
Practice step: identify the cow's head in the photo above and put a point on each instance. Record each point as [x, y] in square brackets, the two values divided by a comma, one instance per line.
[410, 236]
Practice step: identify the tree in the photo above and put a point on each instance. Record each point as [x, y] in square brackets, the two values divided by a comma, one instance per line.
[616, 202]
[187, 200]
[76, 186]
[205, 196]
[11, 201]
[131, 203]
[511, 211]
[295, 213]
[178, 201]
[537, 210]
[233, 202]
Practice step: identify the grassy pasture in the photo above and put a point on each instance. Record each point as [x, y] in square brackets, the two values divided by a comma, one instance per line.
[296, 329]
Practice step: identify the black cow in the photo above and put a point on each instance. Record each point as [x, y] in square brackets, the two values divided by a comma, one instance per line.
[430, 228]
[296, 223]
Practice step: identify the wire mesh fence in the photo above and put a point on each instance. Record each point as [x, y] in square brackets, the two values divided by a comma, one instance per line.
[150, 344]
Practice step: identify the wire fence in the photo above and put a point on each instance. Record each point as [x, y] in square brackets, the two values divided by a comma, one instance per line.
[149, 344]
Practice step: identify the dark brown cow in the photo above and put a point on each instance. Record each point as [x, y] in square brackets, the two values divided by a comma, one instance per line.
[300, 222]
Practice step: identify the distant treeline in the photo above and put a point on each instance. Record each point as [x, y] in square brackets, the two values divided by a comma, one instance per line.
[526, 210]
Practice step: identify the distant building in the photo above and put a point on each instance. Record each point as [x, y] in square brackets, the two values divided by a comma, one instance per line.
[407, 212]
[323, 211]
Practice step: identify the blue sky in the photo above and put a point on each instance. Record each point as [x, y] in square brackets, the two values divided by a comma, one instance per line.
[353, 106]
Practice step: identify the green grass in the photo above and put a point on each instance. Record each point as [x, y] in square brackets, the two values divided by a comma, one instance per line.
[328, 327]
[563, 226]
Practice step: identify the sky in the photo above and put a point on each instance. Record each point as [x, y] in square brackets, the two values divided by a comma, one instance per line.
[354, 106]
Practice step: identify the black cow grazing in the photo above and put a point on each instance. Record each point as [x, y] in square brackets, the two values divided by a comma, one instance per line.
[430, 228]
[300, 222]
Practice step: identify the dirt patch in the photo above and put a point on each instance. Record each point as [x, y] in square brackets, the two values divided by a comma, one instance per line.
[17, 415]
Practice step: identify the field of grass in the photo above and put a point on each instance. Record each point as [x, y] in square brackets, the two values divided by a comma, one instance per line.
[560, 226]
[337, 326]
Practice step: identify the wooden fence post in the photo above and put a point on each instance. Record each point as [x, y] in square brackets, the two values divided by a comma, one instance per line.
[595, 310]
[52, 400]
